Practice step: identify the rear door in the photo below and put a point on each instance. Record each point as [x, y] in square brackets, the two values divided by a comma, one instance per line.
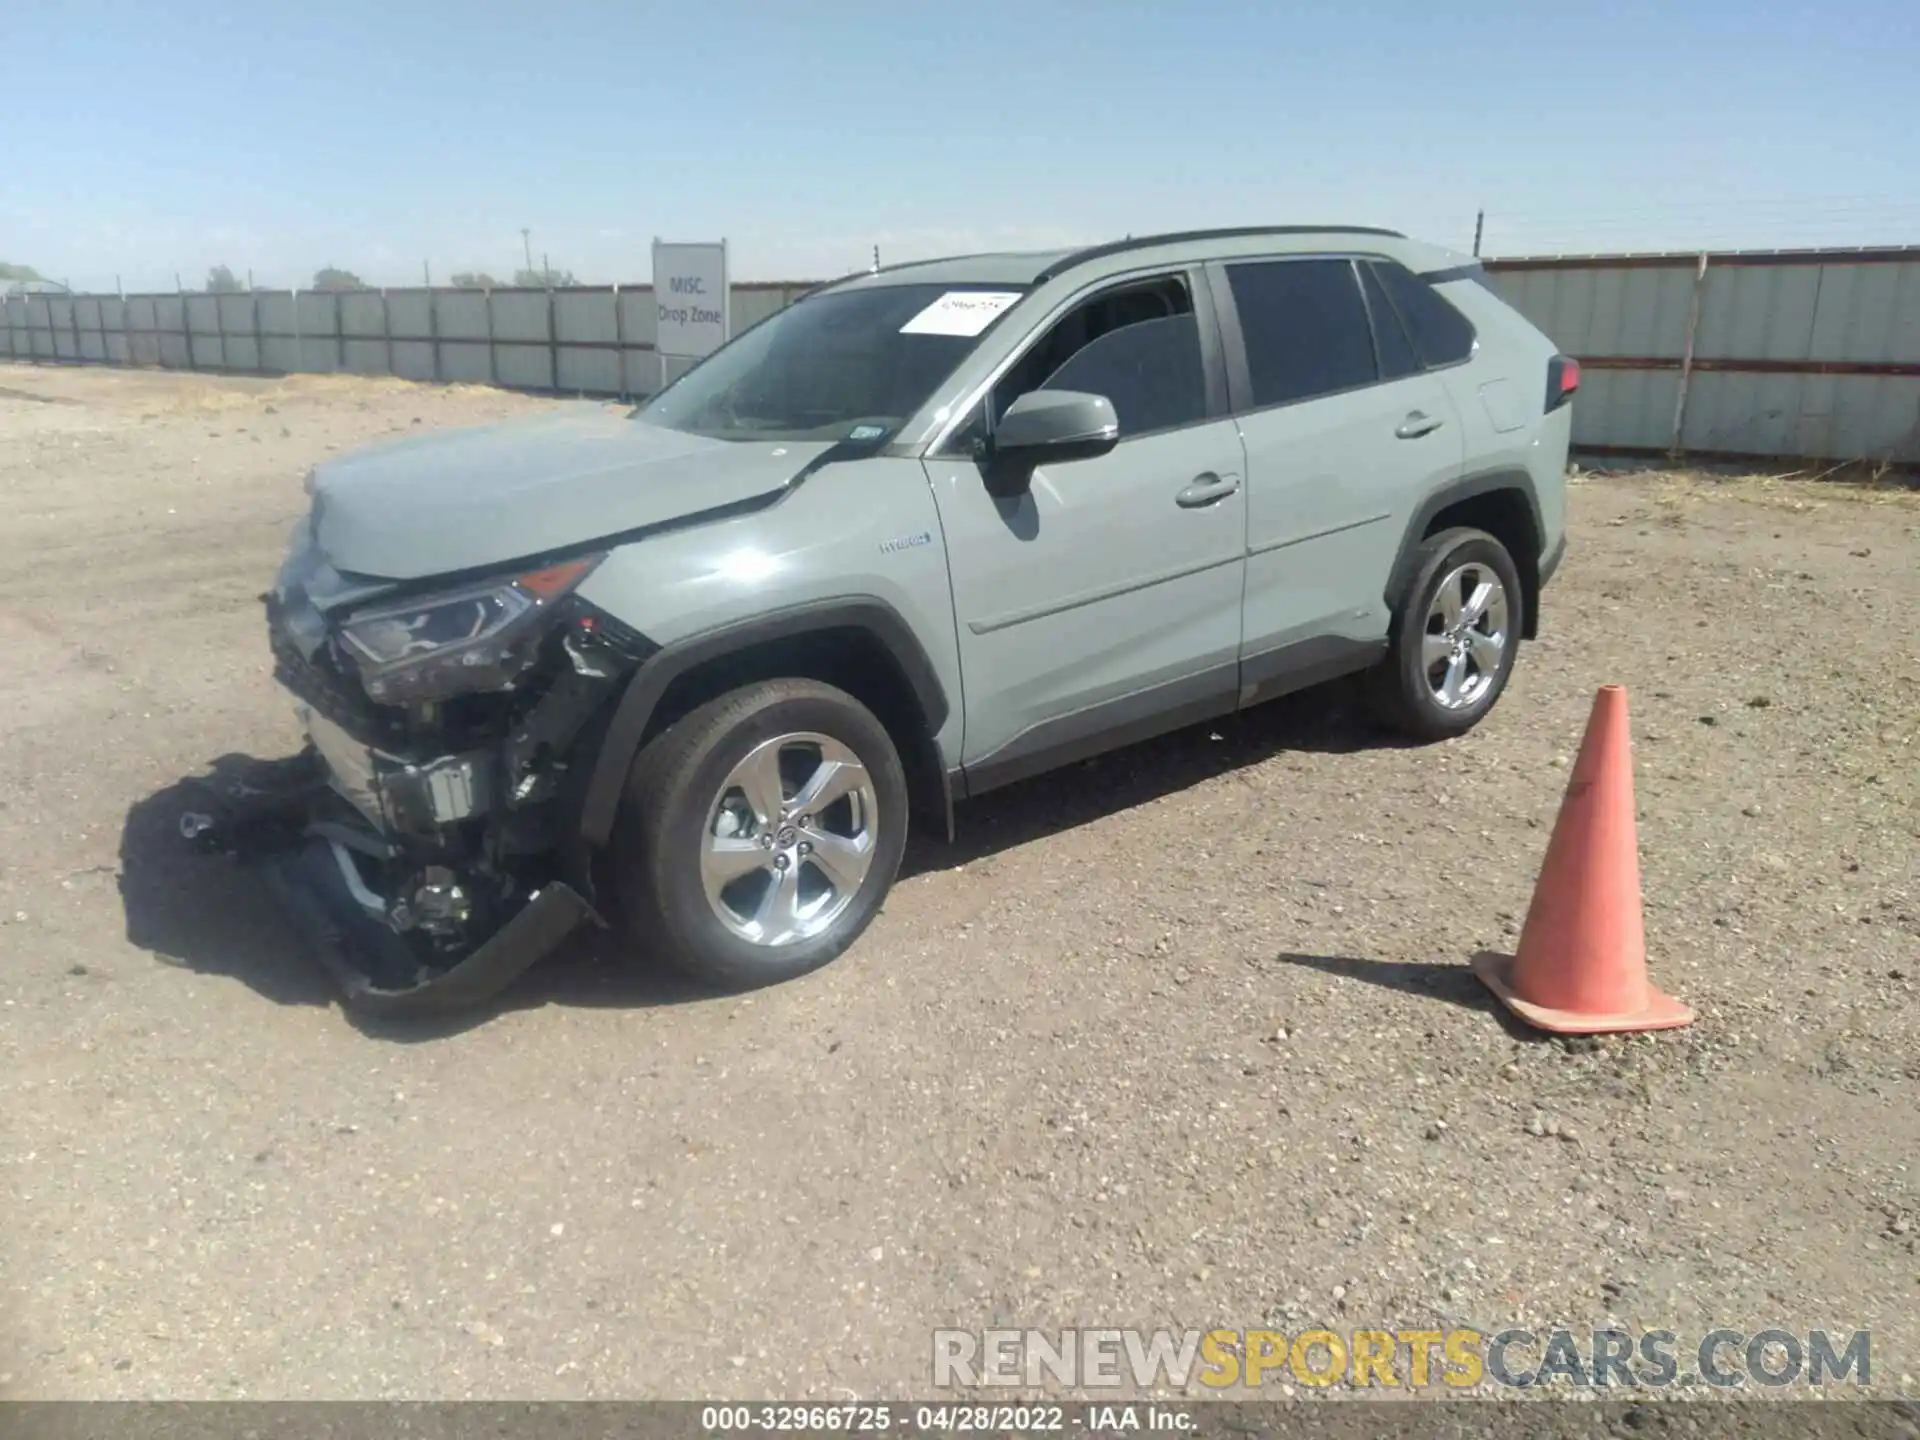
[1344, 432]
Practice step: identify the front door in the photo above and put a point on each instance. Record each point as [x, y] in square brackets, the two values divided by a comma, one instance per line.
[1103, 605]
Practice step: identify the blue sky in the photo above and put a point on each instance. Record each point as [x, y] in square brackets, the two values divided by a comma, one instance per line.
[151, 137]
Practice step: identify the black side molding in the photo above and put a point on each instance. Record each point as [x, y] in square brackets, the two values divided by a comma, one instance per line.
[1304, 663]
[1109, 725]
[1216, 691]
[649, 684]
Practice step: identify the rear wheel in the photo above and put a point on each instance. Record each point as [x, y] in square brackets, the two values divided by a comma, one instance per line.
[760, 833]
[1454, 638]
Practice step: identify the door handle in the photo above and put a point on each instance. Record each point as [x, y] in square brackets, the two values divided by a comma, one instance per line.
[1206, 490]
[1416, 424]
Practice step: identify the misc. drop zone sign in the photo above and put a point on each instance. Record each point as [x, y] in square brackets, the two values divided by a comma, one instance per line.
[690, 289]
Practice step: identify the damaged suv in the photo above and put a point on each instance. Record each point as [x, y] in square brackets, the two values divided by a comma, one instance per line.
[689, 669]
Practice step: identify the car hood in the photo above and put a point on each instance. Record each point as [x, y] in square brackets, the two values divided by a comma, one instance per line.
[458, 500]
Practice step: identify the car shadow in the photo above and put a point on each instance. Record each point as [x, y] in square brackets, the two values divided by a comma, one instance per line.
[216, 917]
[204, 914]
[1328, 719]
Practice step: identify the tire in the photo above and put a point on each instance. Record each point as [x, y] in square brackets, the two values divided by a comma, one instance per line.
[689, 819]
[1407, 688]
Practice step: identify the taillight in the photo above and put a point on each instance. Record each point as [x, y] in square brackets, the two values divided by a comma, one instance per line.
[1563, 378]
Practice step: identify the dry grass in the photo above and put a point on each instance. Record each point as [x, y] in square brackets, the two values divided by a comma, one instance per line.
[337, 387]
[1799, 491]
[223, 394]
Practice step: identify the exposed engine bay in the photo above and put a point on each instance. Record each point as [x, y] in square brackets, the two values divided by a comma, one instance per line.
[424, 838]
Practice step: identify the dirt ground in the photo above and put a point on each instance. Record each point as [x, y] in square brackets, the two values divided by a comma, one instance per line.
[1182, 1038]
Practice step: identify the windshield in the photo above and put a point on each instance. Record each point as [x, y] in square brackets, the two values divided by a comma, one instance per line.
[844, 365]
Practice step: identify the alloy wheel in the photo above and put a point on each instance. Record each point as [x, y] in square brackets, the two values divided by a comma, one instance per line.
[789, 839]
[1466, 636]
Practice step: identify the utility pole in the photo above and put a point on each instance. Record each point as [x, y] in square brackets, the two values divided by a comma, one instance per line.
[426, 275]
[526, 240]
[876, 259]
[1479, 226]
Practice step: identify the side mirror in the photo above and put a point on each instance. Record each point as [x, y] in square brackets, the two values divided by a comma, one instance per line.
[1055, 425]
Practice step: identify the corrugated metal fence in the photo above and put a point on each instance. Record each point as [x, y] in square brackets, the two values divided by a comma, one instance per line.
[1807, 354]
[1811, 354]
[594, 340]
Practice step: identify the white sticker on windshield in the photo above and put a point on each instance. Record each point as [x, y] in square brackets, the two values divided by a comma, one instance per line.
[960, 312]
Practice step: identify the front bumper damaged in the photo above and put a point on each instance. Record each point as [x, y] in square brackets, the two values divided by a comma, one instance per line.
[427, 846]
[377, 971]
[310, 823]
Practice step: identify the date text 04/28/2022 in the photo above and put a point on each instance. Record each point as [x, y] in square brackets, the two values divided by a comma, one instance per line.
[943, 1419]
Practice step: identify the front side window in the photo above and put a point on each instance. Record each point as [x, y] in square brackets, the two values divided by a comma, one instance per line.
[1138, 345]
[1305, 328]
[844, 365]
[1150, 370]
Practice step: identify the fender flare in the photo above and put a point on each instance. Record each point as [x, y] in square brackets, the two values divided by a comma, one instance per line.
[648, 684]
[1467, 487]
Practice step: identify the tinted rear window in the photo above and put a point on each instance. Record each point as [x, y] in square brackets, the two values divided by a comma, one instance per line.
[1305, 328]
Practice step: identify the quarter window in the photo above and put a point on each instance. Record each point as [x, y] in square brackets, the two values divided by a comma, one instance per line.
[1441, 334]
[1305, 328]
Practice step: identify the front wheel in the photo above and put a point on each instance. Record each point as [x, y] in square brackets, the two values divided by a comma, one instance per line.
[760, 833]
[1454, 638]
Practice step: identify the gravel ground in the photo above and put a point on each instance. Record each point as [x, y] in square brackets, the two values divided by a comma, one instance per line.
[1182, 1038]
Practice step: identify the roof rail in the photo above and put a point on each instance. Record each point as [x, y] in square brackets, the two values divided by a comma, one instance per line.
[885, 270]
[1182, 237]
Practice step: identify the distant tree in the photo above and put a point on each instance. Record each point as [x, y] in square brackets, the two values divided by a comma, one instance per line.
[221, 281]
[475, 280]
[19, 272]
[545, 279]
[331, 277]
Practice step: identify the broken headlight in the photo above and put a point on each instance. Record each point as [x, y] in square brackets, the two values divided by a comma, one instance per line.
[457, 642]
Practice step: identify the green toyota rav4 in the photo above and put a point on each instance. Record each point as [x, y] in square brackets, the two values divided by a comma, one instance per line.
[688, 670]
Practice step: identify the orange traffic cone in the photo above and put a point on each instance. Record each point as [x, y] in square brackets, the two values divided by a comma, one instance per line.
[1582, 962]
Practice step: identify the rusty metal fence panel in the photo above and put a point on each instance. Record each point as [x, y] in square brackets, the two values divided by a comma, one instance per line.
[1800, 355]
[586, 340]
